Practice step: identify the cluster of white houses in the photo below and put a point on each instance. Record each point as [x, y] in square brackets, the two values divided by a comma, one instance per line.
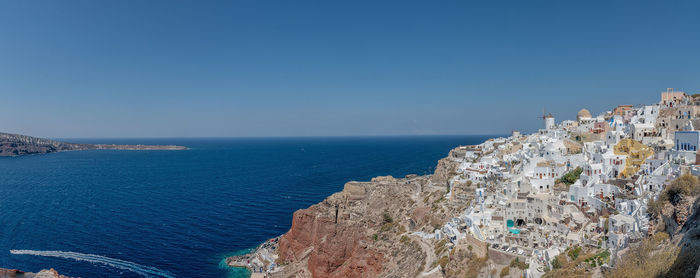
[625, 156]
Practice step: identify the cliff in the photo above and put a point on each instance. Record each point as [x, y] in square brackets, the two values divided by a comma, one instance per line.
[385, 228]
[674, 248]
[17, 145]
[379, 228]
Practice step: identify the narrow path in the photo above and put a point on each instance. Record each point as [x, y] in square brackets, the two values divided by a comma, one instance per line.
[430, 256]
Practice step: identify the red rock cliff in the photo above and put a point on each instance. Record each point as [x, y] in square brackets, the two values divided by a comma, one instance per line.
[336, 250]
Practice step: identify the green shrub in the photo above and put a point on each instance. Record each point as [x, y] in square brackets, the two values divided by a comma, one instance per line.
[388, 218]
[555, 263]
[572, 176]
[574, 252]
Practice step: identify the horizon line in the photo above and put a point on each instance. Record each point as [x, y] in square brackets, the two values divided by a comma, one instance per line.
[281, 136]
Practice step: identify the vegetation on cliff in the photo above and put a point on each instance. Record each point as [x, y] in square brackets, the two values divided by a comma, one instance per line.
[649, 259]
[572, 176]
[687, 186]
[674, 251]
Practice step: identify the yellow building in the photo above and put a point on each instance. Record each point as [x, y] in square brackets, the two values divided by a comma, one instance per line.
[636, 153]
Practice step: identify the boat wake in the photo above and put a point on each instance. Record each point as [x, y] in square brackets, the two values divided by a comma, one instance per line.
[145, 271]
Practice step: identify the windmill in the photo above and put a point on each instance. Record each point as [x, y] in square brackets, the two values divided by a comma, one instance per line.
[548, 119]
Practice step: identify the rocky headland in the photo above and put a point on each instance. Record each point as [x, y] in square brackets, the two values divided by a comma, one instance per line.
[388, 227]
[370, 229]
[18, 145]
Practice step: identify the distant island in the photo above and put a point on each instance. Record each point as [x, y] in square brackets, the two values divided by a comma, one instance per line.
[17, 145]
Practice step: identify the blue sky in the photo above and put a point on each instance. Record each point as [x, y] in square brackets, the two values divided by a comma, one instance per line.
[333, 68]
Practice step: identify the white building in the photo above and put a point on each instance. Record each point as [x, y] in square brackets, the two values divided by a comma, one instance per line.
[613, 137]
[549, 122]
[687, 140]
[640, 132]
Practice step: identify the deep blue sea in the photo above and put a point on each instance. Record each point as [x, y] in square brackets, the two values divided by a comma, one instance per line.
[180, 213]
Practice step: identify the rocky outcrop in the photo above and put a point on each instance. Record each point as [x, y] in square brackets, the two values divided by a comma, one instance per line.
[686, 238]
[446, 167]
[14, 273]
[370, 229]
[675, 216]
[17, 145]
[333, 250]
[673, 252]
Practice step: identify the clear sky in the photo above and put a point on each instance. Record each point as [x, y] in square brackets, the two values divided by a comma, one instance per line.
[333, 68]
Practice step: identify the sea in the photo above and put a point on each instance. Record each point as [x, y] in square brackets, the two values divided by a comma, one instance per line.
[111, 213]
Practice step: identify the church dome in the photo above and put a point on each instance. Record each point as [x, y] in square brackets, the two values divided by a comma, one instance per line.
[584, 113]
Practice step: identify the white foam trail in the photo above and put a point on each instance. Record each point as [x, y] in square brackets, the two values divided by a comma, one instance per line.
[145, 271]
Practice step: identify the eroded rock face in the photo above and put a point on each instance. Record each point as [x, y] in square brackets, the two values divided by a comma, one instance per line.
[446, 167]
[675, 216]
[333, 250]
[681, 211]
[442, 171]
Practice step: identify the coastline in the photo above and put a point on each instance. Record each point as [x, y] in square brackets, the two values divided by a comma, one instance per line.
[258, 260]
[308, 182]
[272, 258]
